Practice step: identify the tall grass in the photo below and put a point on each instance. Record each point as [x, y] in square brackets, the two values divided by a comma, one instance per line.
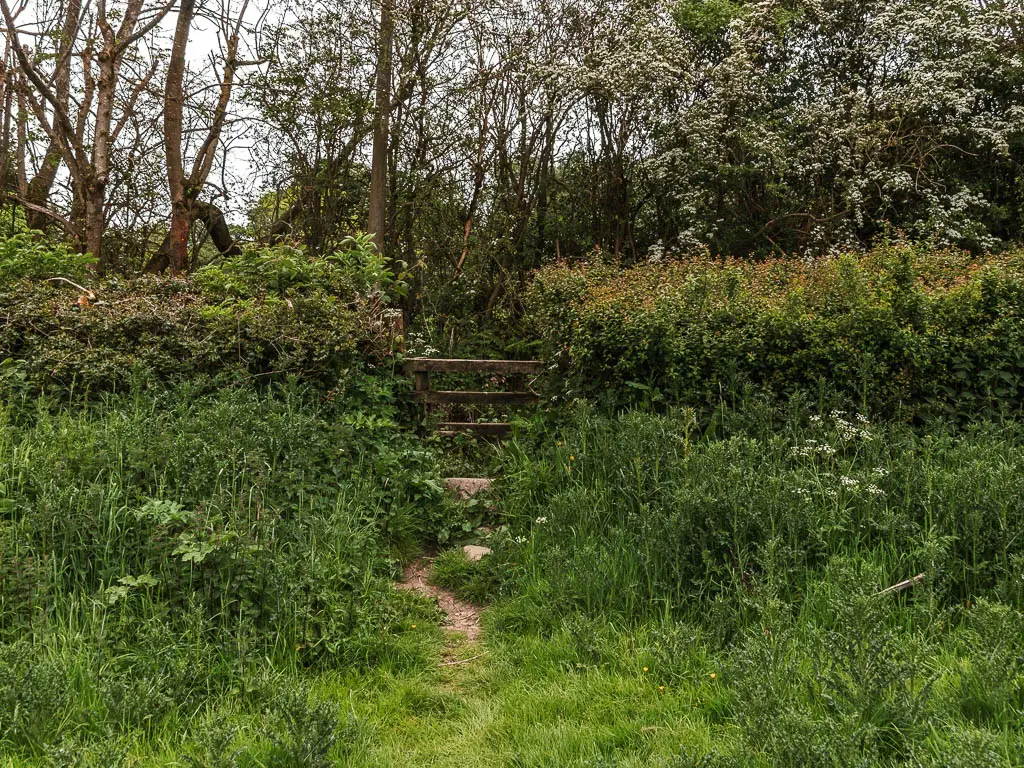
[749, 569]
[639, 515]
[158, 550]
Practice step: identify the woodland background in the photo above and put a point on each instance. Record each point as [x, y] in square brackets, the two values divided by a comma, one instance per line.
[512, 135]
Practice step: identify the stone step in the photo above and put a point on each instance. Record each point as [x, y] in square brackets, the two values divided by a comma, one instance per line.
[475, 553]
[466, 487]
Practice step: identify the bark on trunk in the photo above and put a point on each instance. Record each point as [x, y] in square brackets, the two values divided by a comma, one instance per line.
[181, 213]
[94, 221]
[38, 191]
[382, 113]
[216, 225]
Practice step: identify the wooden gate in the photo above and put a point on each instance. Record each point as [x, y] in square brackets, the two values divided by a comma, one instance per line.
[514, 371]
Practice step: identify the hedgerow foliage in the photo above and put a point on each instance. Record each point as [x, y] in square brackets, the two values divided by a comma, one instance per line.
[900, 329]
[257, 317]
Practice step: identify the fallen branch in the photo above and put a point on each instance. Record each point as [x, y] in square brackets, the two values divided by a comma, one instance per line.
[69, 228]
[89, 294]
[905, 584]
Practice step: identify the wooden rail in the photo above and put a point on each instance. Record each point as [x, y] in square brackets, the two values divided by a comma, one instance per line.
[420, 369]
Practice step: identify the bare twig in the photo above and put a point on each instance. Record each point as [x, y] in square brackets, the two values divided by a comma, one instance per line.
[91, 296]
[463, 661]
[905, 584]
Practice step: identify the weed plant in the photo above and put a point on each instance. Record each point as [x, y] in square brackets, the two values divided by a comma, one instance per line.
[157, 550]
[747, 571]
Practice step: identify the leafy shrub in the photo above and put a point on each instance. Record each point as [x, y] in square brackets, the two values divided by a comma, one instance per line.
[257, 318]
[165, 332]
[903, 329]
[29, 255]
[285, 270]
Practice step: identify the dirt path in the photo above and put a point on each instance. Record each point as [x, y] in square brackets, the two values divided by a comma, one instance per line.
[460, 616]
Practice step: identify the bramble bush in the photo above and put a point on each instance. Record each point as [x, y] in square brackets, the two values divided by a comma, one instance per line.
[904, 329]
[258, 317]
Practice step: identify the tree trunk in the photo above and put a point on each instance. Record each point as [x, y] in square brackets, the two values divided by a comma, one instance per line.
[216, 225]
[94, 221]
[38, 191]
[181, 213]
[382, 113]
[96, 188]
[5, 136]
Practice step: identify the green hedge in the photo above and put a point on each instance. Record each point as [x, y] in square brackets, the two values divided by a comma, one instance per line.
[902, 329]
[261, 316]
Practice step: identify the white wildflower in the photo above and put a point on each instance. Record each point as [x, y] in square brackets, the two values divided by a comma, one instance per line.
[874, 490]
[849, 482]
[540, 520]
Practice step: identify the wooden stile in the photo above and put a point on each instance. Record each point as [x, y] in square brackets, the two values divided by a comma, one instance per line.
[444, 397]
[515, 371]
[443, 365]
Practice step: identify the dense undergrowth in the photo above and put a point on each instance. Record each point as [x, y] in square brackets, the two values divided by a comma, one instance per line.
[760, 557]
[208, 485]
[903, 331]
[157, 551]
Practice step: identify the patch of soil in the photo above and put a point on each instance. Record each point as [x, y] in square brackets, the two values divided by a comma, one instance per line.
[460, 616]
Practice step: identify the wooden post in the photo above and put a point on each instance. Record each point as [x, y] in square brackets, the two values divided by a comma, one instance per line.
[422, 379]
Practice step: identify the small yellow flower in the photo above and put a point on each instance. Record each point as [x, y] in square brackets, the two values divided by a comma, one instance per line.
[661, 688]
[414, 626]
[713, 675]
[645, 669]
[572, 458]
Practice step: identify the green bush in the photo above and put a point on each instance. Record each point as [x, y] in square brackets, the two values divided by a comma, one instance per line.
[29, 255]
[903, 329]
[257, 318]
[356, 270]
